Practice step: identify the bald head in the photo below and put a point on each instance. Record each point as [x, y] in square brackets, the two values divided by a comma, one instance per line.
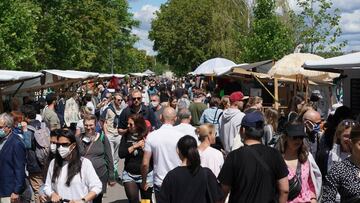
[168, 116]
[312, 115]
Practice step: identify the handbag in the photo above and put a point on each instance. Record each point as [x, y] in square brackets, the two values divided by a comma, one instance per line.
[295, 183]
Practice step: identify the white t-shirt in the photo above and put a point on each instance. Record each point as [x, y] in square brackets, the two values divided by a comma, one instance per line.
[212, 159]
[91, 106]
[80, 185]
[187, 129]
[162, 144]
[80, 126]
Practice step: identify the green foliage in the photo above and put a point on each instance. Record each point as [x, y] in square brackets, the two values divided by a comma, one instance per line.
[18, 30]
[89, 35]
[269, 37]
[317, 26]
[187, 32]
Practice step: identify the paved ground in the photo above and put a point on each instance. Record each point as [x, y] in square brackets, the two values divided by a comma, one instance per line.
[116, 194]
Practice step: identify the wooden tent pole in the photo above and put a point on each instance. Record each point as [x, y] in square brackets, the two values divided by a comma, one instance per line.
[276, 93]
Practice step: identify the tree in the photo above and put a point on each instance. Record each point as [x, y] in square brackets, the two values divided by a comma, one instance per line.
[18, 30]
[317, 26]
[84, 35]
[187, 32]
[269, 37]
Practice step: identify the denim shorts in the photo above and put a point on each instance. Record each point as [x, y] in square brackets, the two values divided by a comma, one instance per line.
[128, 177]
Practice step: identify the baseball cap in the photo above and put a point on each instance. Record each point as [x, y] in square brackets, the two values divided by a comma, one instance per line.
[295, 130]
[237, 96]
[254, 119]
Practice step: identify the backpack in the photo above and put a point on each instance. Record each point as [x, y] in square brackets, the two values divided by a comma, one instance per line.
[117, 116]
[42, 142]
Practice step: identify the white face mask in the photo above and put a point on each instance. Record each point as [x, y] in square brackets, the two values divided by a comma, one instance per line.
[53, 148]
[155, 104]
[64, 151]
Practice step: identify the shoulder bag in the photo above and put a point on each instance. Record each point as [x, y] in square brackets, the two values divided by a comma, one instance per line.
[295, 183]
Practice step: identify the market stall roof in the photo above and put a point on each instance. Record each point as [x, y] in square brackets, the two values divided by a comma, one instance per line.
[240, 71]
[215, 66]
[335, 64]
[12, 75]
[261, 66]
[290, 66]
[111, 75]
[50, 78]
[138, 74]
[148, 72]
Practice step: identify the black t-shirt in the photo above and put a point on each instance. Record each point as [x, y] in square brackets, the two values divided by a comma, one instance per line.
[180, 186]
[132, 161]
[248, 178]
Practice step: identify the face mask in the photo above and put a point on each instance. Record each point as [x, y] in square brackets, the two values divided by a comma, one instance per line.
[53, 148]
[316, 128]
[155, 104]
[2, 133]
[64, 151]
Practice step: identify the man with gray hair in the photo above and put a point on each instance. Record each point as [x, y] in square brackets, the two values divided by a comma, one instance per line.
[12, 161]
[161, 146]
[185, 127]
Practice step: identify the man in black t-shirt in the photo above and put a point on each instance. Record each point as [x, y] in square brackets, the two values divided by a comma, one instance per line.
[254, 173]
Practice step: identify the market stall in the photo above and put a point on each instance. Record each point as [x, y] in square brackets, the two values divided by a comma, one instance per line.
[348, 65]
[10, 77]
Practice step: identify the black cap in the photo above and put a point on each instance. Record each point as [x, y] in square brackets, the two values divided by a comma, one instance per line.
[295, 130]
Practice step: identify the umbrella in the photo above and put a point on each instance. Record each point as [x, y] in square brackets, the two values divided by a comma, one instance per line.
[291, 66]
[214, 66]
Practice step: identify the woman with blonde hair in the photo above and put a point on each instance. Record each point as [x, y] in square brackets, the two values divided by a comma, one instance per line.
[210, 157]
[271, 117]
[341, 147]
[254, 104]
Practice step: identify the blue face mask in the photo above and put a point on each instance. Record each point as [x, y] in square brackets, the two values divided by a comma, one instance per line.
[316, 128]
[2, 133]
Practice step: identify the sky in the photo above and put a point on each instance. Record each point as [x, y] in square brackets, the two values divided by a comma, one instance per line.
[144, 10]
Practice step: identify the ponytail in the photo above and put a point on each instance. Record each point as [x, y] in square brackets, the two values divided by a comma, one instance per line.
[187, 147]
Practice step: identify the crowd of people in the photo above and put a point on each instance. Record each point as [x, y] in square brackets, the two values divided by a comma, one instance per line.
[180, 143]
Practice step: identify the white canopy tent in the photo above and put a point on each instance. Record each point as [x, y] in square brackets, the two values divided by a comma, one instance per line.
[215, 66]
[50, 78]
[13, 76]
[149, 72]
[335, 64]
[138, 74]
[9, 77]
[111, 75]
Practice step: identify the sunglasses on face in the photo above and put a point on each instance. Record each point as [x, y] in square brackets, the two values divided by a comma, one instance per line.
[119, 100]
[63, 144]
[297, 137]
[137, 98]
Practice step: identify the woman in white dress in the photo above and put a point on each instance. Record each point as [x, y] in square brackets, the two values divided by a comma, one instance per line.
[71, 177]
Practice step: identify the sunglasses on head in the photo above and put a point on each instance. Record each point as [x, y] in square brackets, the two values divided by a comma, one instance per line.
[349, 123]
